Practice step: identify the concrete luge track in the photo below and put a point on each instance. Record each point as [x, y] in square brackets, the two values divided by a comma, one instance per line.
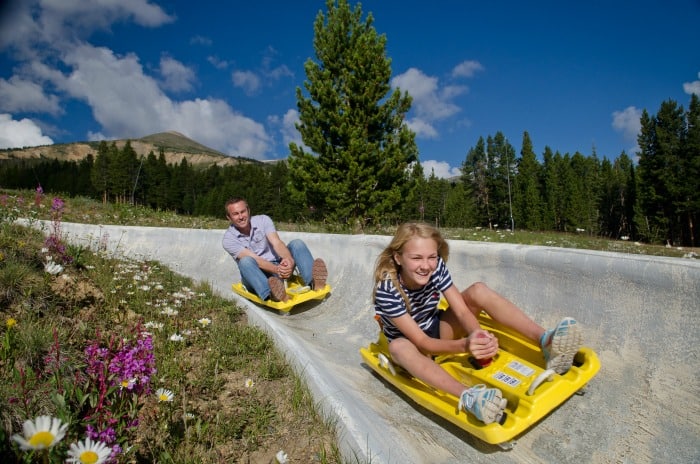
[641, 315]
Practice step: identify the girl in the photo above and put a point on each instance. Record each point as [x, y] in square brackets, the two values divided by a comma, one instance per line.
[410, 275]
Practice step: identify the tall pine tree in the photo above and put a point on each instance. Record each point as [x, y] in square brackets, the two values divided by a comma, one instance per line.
[360, 146]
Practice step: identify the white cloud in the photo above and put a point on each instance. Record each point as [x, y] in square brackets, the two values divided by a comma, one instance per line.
[431, 103]
[217, 62]
[421, 128]
[201, 40]
[692, 87]
[127, 103]
[35, 27]
[467, 69]
[22, 133]
[176, 76]
[19, 95]
[627, 122]
[289, 130]
[442, 169]
[247, 80]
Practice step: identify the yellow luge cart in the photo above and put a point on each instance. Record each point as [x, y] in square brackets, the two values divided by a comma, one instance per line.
[518, 370]
[296, 290]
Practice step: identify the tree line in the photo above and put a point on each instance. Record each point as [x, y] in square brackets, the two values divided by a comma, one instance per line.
[358, 164]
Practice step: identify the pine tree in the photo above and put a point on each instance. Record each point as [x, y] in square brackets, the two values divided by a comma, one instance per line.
[360, 146]
[689, 194]
[527, 200]
[100, 171]
[661, 172]
[476, 176]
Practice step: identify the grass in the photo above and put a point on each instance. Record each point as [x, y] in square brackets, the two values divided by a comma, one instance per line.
[235, 397]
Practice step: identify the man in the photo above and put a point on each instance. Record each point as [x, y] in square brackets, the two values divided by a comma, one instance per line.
[262, 257]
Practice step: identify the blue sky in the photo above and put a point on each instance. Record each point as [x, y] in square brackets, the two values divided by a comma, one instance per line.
[574, 75]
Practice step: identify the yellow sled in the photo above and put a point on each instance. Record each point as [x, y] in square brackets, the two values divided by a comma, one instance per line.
[518, 370]
[296, 290]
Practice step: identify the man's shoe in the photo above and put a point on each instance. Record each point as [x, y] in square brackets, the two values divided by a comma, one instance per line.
[278, 291]
[319, 273]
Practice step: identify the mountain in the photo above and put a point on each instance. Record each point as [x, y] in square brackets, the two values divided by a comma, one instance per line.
[175, 146]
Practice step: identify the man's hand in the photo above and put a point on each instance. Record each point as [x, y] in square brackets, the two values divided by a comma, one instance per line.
[285, 268]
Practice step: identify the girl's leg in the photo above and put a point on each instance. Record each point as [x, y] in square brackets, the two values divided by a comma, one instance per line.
[487, 404]
[405, 354]
[480, 297]
[560, 344]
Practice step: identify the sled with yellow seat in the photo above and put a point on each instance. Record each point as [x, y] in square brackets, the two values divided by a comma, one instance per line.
[296, 291]
[518, 370]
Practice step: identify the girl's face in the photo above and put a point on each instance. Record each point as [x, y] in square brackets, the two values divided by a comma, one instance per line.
[417, 261]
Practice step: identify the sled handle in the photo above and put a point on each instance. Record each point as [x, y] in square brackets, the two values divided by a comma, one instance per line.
[546, 375]
[385, 363]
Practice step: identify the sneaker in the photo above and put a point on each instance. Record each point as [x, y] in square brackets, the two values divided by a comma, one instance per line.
[319, 273]
[560, 345]
[487, 404]
[278, 291]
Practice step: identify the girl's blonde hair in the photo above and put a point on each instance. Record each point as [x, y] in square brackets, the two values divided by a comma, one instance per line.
[386, 267]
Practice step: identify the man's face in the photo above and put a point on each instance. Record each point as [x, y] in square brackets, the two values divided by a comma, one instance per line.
[238, 214]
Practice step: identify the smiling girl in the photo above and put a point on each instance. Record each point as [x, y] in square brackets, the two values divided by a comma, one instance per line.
[410, 277]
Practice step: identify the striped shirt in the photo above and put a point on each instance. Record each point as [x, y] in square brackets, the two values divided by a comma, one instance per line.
[424, 301]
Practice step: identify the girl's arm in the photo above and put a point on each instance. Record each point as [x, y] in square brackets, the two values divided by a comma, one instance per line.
[480, 347]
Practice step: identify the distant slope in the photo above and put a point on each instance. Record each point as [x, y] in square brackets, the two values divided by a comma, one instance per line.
[175, 146]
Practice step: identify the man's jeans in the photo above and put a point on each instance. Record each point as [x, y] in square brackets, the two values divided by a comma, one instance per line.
[255, 280]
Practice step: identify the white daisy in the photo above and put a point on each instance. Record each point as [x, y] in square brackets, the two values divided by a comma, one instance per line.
[53, 268]
[249, 383]
[164, 395]
[43, 432]
[88, 452]
[176, 337]
[205, 321]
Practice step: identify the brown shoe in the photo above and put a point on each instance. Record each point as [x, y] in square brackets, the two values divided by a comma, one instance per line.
[319, 273]
[278, 291]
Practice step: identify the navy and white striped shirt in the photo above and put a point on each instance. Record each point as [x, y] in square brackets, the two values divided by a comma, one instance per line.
[424, 301]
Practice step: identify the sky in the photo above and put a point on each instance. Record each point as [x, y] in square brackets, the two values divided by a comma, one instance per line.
[576, 76]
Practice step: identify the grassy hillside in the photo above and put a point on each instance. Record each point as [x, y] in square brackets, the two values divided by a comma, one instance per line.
[175, 145]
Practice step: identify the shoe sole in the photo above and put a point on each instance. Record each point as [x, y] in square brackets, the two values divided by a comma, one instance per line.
[319, 274]
[278, 292]
[566, 342]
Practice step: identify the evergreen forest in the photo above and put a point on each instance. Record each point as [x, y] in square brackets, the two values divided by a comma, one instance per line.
[359, 165]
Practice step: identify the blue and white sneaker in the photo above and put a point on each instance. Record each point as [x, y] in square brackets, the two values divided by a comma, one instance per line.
[487, 404]
[560, 345]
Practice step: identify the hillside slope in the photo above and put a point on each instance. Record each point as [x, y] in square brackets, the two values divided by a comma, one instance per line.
[175, 145]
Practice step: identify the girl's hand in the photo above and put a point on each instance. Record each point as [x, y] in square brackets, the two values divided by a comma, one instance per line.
[482, 344]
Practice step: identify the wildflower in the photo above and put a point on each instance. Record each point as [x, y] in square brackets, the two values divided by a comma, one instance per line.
[164, 395]
[249, 383]
[205, 321]
[153, 325]
[128, 383]
[176, 337]
[281, 457]
[88, 452]
[170, 312]
[43, 433]
[53, 268]
[11, 322]
[188, 416]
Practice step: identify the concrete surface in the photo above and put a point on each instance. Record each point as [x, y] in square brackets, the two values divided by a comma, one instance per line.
[639, 313]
